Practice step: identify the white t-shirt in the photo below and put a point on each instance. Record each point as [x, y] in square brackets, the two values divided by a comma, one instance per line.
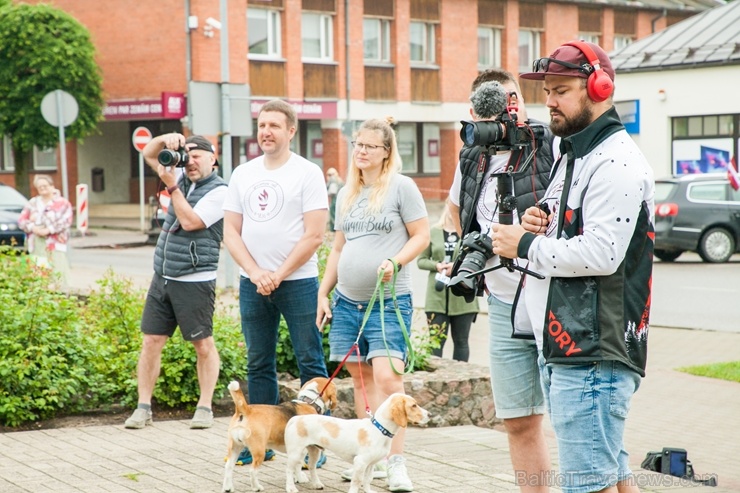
[501, 283]
[272, 204]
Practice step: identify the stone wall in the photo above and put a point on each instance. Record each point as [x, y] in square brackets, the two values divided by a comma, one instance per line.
[455, 393]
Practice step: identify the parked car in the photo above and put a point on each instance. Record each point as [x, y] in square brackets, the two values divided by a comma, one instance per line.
[696, 213]
[12, 203]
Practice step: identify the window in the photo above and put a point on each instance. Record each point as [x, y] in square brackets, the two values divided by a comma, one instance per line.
[6, 155]
[489, 47]
[406, 138]
[376, 40]
[44, 159]
[422, 43]
[703, 126]
[263, 27]
[621, 41]
[419, 147]
[317, 37]
[589, 38]
[529, 49]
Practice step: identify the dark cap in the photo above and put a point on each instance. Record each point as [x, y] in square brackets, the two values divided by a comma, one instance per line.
[200, 143]
[575, 63]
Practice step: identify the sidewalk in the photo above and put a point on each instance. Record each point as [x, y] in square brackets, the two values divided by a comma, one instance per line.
[671, 409]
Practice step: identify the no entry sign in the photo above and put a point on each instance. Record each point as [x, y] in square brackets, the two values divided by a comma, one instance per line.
[141, 138]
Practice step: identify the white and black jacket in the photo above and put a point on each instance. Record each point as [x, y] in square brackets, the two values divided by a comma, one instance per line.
[597, 252]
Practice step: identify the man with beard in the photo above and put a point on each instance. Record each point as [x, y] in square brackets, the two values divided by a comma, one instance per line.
[590, 314]
[183, 289]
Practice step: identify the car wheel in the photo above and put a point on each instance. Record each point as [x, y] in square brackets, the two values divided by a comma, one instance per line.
[716, 246]
[668, 255]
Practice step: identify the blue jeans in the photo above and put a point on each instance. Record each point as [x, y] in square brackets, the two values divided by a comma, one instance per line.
[588, 406]
[296, 301]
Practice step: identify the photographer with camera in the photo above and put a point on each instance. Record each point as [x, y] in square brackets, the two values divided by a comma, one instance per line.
[183, 290]
[591, 313]
[515, 381]
[446, 313]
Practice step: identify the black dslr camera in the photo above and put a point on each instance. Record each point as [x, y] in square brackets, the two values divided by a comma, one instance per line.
[179, 158]
[475, 251]
[504, 132]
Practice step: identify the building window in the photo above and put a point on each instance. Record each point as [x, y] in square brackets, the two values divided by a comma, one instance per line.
[529, 49]
[44, 159]
[703, 126]
[489, 47]
[419, 147]
[406, 133]
[6, 155]
[263, 27]
[621, 41]
[377, 40]
[589, 38]
[422, 43]
[316, 37]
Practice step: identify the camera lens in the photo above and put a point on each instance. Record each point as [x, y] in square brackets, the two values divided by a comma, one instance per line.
[168, 157]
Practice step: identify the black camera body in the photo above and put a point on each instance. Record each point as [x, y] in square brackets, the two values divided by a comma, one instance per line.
[504, 132]
[475, 251]
[179, 158]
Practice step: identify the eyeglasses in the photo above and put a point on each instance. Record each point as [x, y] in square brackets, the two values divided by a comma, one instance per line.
[543, 64]
[359, 146]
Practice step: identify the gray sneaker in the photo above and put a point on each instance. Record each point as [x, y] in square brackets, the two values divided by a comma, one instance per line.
[379, 471]
[139, 419]
[398, 476]
[202, 419]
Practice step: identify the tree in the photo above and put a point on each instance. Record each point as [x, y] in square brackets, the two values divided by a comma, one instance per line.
[44, 49]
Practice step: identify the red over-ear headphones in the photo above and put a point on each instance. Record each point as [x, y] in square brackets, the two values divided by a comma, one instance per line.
[599, 85]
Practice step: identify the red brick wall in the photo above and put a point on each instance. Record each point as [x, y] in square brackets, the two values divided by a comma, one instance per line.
[458, 59]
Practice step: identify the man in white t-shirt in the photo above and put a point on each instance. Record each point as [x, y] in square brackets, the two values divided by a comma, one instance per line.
[275, 218]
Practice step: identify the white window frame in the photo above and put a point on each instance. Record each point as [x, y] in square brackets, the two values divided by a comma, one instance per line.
[273, 28]
[426, 40]
[489, 47]
[326, 36]
[6, 154]
[529, 48]
[40, 156]
[590, 38]
[622, 40]
[382, 31]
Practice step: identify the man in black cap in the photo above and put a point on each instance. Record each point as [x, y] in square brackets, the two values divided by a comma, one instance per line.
[590, 315]
[183, 290]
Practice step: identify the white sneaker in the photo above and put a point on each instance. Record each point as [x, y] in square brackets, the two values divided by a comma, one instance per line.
[202, 419]
[398, 476]
[380, 471]
[139, 419]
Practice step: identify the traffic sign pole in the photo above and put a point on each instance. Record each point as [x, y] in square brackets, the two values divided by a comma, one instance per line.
[140, 139]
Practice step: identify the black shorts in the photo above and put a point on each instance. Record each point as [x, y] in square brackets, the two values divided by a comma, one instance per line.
[189, 305]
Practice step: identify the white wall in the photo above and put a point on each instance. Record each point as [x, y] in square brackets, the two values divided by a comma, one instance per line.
[111, 150]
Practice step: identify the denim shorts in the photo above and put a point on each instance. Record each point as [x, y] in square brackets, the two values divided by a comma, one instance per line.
[588, 406]
[515, 376]
[346, 321]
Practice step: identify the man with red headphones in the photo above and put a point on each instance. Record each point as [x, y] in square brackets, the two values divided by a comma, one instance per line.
[590, 315]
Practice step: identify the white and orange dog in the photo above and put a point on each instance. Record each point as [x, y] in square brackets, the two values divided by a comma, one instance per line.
[260, 427]
[360, 441]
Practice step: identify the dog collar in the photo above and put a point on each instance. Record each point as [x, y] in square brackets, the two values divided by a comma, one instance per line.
[315, 403]
[382, 429]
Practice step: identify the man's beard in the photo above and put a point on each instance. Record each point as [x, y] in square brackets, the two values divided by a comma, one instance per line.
[570, 126]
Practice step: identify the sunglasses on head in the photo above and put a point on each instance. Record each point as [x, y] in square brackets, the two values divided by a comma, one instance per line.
[543, 64]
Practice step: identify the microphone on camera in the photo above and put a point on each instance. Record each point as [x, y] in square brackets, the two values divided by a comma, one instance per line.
[489, 99]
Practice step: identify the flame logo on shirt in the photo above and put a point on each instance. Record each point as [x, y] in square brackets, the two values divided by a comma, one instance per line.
[263, 197]
[264, 200]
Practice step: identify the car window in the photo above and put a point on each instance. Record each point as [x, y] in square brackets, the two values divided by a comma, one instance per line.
[735, 197]
[664, 190]
[715, 192]
[11, 198]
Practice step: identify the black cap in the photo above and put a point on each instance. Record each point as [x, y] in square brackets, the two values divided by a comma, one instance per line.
[201, 143]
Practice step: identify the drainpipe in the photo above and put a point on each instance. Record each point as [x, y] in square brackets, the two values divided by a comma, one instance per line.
[188, 62]
[656, 19]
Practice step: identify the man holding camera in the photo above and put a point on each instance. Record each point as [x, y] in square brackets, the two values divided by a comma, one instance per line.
[590, 314]
[513, 361]
[183, 290]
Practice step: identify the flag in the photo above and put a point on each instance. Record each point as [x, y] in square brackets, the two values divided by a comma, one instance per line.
[732, 174]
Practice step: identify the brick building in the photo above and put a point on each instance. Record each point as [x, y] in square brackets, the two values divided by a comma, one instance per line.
[338, 61]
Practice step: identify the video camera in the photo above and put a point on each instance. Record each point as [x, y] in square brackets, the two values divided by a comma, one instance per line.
[503, 132]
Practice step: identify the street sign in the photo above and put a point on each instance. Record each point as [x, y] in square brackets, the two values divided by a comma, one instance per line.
[141, 138]
[59, 106]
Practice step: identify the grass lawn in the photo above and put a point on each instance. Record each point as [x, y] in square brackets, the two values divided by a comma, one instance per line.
[724, 371]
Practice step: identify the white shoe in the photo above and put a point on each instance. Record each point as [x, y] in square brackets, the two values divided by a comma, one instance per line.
[398, 476]
[202, 419]
[139, 419]
[379, 471]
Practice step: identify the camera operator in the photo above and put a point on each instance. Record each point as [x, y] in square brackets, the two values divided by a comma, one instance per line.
[183, 290]
[513, 361]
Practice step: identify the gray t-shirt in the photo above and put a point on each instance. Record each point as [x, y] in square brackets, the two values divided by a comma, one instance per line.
[372, 238]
